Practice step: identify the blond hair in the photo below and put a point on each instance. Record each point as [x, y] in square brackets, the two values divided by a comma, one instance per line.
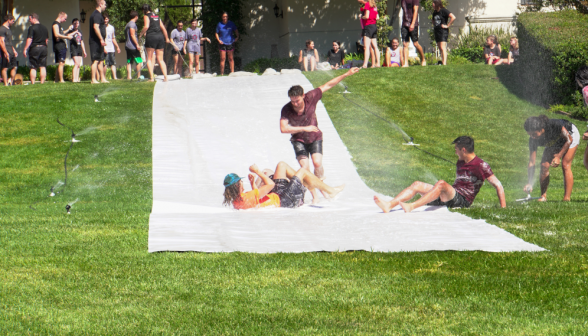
[372, 3]
[516, 45]
[61, 14]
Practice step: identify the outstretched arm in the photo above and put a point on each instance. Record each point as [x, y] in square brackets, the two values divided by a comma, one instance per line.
[499, 190]
[330, 84]
[269, 183]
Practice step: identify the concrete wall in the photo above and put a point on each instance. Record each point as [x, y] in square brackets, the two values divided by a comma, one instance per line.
[47, 10]
[263, 30]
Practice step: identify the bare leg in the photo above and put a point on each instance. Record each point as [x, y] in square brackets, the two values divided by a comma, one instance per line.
[317, 161]
[377, 53]
[367, 48]
[305, 63]
[566, 165]
[312, 64]
[60, 72]
[102, 71]
[150, 62]
[443, 48]
[176, 59]
[304, 163]
[76, 67]
[308, 179]
[441, 189]
[33, 76]
[43, 75]
[197, 63]
[113, 70]
[231, 60]
[405, 52]
[405, 195]
[191, 63]
[5, 76]
[421, 53]
[223, 57]
[129, 71]
[159, 53]
[544, 180]
[373, 55]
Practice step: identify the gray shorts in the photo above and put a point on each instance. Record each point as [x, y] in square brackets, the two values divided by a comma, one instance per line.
[458, 201]
[110, 59]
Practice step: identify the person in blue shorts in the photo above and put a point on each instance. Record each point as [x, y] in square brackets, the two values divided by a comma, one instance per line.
[226, 35]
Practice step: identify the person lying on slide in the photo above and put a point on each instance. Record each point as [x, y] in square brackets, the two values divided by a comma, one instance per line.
[470, 175]
[286, 188]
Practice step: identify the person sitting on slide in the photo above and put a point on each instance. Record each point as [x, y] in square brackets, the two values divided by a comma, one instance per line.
[560, 139]
[470, 176]
[394, 54]
[309, 57]
[285, 189]
[492, 51]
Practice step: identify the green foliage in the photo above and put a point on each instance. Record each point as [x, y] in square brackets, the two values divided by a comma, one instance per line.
[575, 111]
[354, 56]
[384, 28]
[118, 11]
[211, 15]
[456, 59]
[471, 45]
[553, 47]
[176, 14]
[261, 64]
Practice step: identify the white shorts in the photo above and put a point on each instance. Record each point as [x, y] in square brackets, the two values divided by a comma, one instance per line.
[575, 136]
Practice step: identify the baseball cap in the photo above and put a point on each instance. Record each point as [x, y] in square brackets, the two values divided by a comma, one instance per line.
[231, 179]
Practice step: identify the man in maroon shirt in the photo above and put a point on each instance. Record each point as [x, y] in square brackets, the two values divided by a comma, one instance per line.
[299, 119]
[470, 176]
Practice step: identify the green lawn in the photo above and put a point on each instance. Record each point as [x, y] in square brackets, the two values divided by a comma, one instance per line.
[89, 272]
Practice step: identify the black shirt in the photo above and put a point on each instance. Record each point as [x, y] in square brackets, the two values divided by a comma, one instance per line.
[99, 19]
[58, 43]
[441, 18]
[39, 34]
[336, 57]
[154, 25]
[552, 136]
[7, 34]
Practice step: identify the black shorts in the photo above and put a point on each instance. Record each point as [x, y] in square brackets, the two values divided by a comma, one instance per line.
[178, 52]
[409, 35]
[75, 51]
[96, 52]
[155, 41]
[60, 55]
[370, 31]
[8, 63]
[110, 59]
[133, 56]
[226, 47]
[291, 193]
[302, 149]
[38, 57]
[441, 35]
[458, 201]
[549, 153]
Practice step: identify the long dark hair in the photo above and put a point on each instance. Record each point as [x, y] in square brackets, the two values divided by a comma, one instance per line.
[533, 124]
[232, 194]
[438, 3]
[146, 8]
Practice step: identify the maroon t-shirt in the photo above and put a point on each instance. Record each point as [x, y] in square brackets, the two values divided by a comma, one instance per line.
[408, 12]
[470, 177]
[307, 118]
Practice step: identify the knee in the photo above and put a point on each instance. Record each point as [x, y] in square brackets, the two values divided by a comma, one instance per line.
[566, 166]
[441, 184]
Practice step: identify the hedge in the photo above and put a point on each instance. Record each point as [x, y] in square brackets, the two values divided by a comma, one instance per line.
[553, 46]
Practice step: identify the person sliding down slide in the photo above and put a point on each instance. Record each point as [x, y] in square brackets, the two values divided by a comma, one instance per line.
[470, 175]
[285, 189]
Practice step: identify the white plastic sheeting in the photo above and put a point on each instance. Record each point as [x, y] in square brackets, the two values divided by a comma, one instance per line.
[203, 130]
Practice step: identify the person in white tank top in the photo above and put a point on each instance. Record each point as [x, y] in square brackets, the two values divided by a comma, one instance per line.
[394, 54]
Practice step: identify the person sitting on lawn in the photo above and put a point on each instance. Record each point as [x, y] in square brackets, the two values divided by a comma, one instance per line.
[285, 189]
[309, 57]
[513, 52]
[560, 139]
[336, 56]
[394, 54]
[470, 176]
[492, 51]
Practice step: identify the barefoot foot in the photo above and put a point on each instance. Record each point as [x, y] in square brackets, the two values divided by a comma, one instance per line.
[336, 191]
[406, 206]
[385, 206]
[542, 199]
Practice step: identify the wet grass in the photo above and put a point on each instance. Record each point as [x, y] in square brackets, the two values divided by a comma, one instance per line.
[89, 272]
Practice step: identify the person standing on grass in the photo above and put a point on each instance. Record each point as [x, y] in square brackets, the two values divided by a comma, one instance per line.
[132, 46]
[309, 57]
[442, 20]
[394, 54]
[36, 48]
[369, 17]
[299, 119]
[178, 36]
[226, 35]
[110, 45]
[9, 54]
[470, 175]
[336, 56]
[97, 43]
[59, 45]
[560, 139]
[410, 29]
[77, 50]
[155, 40]
[492, 51]
[194, 36]
[513, 52]
[284, 189]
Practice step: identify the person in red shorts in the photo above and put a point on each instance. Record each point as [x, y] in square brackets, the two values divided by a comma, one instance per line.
[470, 176]
[285, 188]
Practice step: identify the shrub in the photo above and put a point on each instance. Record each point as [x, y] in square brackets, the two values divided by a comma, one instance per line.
[456, 59]
[553, 47]
[576, 112]
[261, 64]
[471, 45]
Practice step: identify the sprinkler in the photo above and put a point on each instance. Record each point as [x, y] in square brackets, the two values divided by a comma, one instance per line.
[73, 137]
[410, 143]
[528, 198]
[345, 90]
[96, 99]
[52, 193]
[68, 208]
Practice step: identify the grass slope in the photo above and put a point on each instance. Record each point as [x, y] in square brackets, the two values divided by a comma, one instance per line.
[89, 272]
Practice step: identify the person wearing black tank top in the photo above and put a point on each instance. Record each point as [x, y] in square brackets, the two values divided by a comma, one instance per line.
[560, 139]
[155, 40]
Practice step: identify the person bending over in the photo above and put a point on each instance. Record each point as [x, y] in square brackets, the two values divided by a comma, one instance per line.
[394, 54]
[560, 139]
[309, 57]
[492, 51]
[284, 189]
[299, 119]
[470, 175]
[336, 56]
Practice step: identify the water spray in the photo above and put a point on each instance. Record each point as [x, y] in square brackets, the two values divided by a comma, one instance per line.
[528, 198]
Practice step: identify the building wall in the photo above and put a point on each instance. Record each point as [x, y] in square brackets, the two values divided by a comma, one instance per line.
[263, 30]
[47, 10]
